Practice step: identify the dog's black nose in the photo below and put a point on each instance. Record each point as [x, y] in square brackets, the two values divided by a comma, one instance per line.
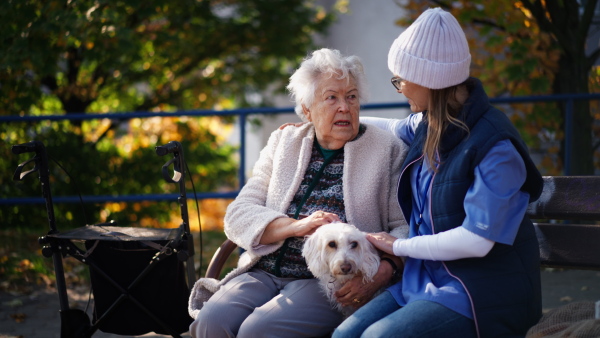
[346, 268]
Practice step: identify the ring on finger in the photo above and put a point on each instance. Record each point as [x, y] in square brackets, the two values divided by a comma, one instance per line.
[356, 300]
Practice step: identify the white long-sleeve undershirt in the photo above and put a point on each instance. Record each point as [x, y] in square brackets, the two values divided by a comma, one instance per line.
[449, 245]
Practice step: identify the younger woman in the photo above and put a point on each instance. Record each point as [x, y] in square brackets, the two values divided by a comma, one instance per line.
[471, 259]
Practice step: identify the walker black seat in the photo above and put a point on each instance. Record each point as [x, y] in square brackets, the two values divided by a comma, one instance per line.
[101, 232]
[137, 280]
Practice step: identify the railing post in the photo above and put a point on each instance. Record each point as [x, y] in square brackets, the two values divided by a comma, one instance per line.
[242, 169]
[568, 135]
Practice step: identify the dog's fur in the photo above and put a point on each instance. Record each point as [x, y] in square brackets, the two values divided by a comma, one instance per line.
[337, 252]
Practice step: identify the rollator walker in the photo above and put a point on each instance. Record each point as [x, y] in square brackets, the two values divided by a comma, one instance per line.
[140, 277]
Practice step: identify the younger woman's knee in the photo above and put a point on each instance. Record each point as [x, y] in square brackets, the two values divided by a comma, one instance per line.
[347, 329]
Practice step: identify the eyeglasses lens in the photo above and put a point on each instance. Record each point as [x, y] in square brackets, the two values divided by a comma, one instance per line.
[396, 82]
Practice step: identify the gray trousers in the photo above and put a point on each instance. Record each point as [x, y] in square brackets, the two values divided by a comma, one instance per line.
[258, 304]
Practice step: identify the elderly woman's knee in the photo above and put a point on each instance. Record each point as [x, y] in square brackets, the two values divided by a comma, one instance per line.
[254, 326]
[211, 323]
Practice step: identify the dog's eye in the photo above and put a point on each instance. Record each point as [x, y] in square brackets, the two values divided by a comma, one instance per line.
[353, 245]
[332, 244]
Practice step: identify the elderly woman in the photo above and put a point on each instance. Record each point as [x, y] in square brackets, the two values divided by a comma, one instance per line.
[330, 169]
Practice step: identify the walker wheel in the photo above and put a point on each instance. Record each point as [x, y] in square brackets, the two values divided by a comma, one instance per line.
[47, 251]
[182, 256]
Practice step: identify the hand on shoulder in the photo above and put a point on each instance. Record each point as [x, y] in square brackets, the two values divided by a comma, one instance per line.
[298, 124]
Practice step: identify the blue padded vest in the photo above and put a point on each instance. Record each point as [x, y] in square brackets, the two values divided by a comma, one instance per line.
[504, 286]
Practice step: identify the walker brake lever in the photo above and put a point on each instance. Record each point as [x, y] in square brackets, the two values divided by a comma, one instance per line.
[19, 175]
[176, 171]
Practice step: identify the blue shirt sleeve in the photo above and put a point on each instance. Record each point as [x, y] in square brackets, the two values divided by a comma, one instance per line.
[403, 129]
[494, 204]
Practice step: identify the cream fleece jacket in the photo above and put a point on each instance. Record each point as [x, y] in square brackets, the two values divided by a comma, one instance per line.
[371, 169]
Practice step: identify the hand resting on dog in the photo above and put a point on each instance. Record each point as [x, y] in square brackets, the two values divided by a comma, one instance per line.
[284, 227]
[346, 264]
[364, 292]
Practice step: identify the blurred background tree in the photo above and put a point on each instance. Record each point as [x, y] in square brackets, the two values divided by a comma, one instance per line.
[94, 56]
[534, 47]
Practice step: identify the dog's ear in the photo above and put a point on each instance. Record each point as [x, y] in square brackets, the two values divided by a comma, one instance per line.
[314, 254]
[370, 259]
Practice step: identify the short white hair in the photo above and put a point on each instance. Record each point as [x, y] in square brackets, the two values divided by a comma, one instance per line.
[328, 62]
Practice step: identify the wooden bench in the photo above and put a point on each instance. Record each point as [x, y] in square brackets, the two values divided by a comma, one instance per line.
[567, 202]
[572, 239]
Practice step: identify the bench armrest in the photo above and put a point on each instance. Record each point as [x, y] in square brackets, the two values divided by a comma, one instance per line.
[219, 258]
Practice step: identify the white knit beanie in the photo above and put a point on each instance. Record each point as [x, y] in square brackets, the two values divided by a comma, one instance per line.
[432, 52]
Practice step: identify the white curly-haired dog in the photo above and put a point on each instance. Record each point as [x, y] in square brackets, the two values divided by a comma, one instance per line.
[337, 252]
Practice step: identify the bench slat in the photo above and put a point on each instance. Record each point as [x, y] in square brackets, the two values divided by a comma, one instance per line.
[569, 246]
[568, 197]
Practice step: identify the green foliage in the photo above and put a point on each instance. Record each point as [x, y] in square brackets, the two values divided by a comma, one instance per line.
[106, 169]
[22, 265]
[140, 55]
[532, 47]
[69, 57]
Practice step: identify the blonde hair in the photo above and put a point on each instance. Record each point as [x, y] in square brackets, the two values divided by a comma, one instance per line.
[444, 107]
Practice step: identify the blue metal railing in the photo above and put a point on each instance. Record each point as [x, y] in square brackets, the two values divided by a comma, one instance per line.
[242, 118]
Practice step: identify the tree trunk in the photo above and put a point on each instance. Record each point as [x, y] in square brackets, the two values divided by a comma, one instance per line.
[571, 78]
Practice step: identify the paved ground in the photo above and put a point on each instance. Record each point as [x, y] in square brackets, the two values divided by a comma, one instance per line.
[36, 315]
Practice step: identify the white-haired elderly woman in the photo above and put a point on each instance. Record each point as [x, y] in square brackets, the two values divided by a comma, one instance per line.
[330, 169]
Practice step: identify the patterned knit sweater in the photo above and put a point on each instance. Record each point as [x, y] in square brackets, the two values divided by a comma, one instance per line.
[321, 189]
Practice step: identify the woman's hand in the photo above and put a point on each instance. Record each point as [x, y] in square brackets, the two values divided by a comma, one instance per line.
[355, 293]
[298, 124]
[382, 241]
[306, 226]
[282, 228]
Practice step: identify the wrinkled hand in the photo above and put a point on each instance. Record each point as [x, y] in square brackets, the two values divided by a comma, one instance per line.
[355, 293]
[308, 225]
[285, 227]
[382, 241]
[298, 124]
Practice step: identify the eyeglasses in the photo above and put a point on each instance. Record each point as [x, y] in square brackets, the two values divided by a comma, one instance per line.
[397, 82]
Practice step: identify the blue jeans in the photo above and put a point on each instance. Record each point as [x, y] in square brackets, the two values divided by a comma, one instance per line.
[383, 317]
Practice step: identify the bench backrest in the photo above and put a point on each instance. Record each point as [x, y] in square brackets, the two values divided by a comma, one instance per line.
[569, 202]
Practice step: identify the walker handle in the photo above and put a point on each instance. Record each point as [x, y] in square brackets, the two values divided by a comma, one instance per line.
[29, 147]
[171, 147]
